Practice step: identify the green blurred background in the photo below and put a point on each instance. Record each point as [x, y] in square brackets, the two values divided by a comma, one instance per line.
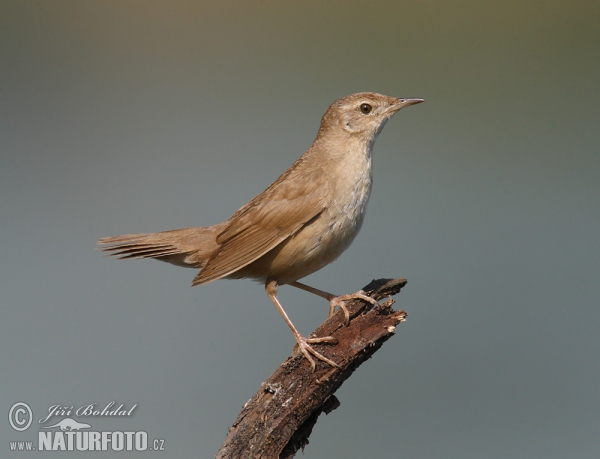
[135, 116]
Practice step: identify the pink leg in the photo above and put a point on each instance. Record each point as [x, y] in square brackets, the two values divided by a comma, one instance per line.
[334, 300]
[303, 343]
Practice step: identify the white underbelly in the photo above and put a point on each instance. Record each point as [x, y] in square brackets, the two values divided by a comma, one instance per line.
[323, 240]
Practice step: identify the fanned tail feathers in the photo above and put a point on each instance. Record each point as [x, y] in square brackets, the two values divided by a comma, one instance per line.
[188, 247]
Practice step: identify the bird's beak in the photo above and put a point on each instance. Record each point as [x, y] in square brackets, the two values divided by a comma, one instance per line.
[407, 102]
[403, 103]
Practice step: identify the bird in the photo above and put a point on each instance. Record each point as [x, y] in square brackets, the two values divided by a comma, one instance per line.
[302, 222]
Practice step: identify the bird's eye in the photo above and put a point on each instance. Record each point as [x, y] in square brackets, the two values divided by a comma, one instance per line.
[365, 108]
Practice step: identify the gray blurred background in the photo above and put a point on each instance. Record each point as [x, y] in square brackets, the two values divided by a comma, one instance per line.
[120, 117]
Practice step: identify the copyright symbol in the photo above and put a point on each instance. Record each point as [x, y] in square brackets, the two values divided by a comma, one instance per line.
[20, 416]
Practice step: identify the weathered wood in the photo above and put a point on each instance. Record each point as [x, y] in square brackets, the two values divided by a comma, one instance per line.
[278, 419]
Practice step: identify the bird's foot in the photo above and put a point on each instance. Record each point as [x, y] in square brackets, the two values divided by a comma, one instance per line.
[305, 347]
[341, 300]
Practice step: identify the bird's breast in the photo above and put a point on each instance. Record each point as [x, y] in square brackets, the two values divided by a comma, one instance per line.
[345, 198]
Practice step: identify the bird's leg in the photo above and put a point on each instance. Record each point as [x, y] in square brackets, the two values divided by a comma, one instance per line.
[303, 343]
[336, 300]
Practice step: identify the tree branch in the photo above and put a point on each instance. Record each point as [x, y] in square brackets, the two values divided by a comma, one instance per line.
[277, 421]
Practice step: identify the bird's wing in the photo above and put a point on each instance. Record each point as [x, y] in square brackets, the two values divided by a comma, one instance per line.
[266, 221]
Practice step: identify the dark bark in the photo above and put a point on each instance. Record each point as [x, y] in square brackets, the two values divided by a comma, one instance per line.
[277, 421]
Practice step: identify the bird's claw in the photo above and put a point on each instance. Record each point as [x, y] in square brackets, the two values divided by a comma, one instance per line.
[340, 301]
[307, 350]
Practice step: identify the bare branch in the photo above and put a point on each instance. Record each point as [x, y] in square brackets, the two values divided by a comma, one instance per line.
[277, 421]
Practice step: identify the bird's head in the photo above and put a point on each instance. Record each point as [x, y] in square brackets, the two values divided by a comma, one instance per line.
[363, 113]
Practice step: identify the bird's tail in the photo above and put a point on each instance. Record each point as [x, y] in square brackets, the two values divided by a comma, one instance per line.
[187, 247]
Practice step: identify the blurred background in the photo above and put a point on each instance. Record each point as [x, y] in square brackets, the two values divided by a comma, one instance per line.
[139, 116]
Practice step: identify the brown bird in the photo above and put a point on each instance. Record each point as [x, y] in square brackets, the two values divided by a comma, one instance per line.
[298, 225]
